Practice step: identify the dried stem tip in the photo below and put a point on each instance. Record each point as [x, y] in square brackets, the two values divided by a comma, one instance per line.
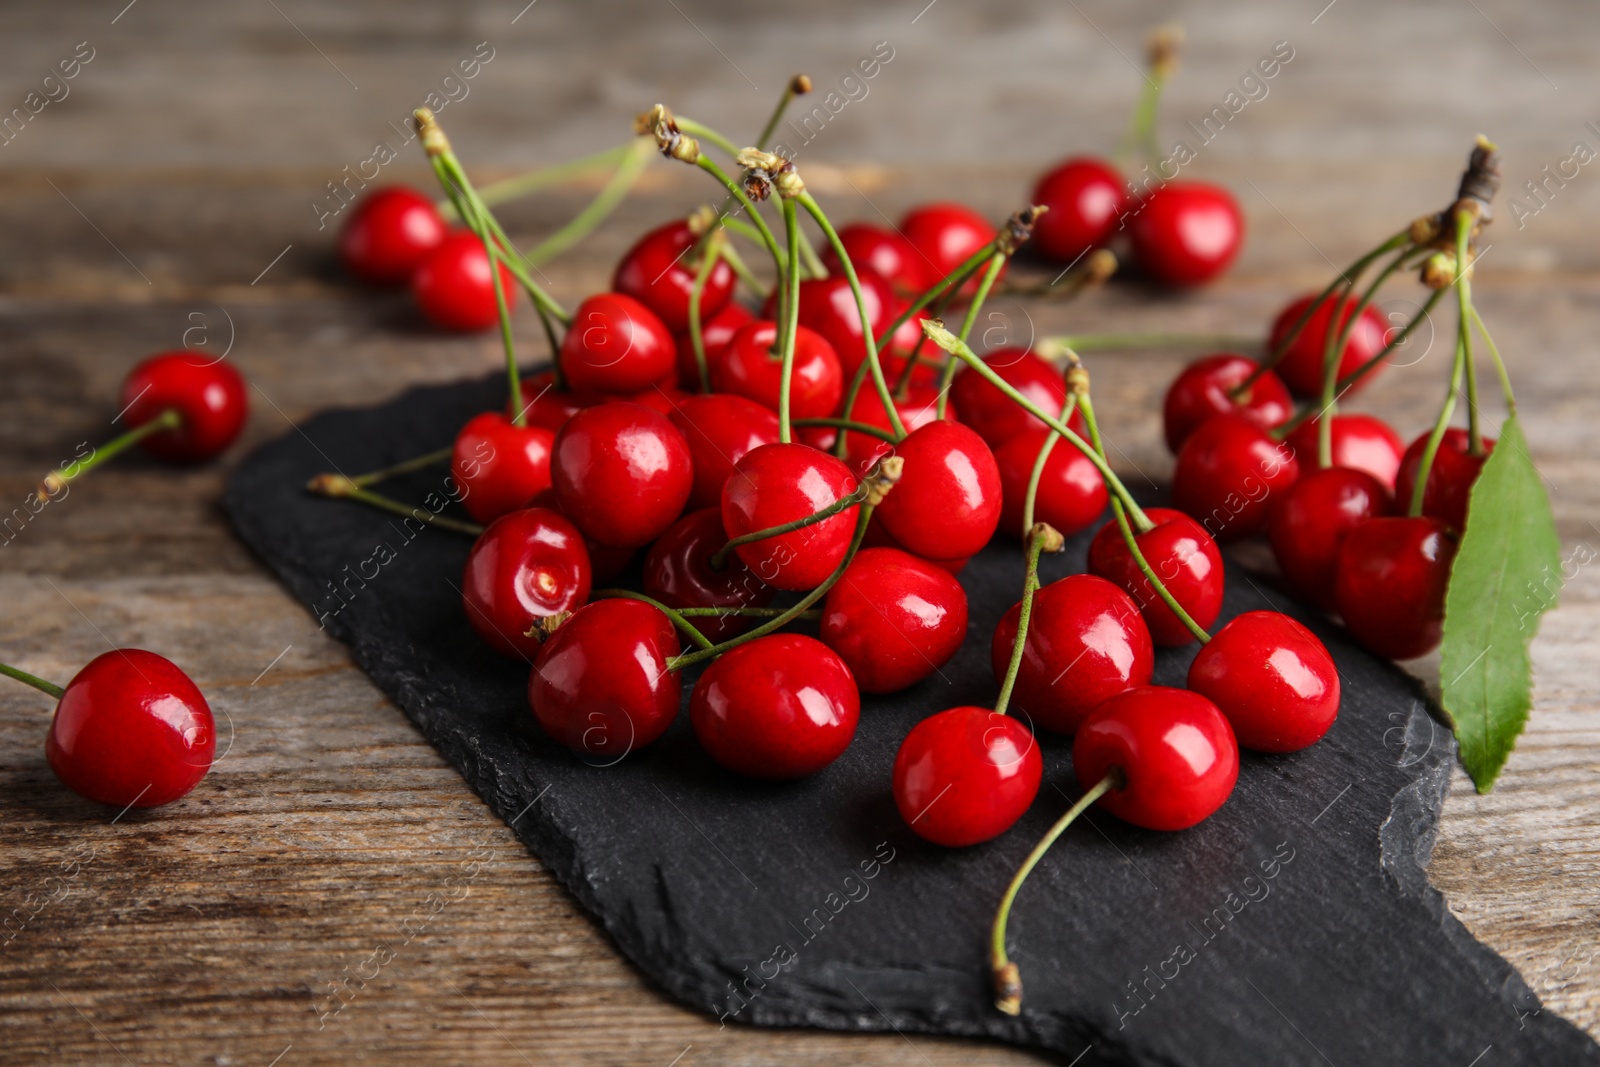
[882, 478]
[1077, 376]
[331, 485]
[1100, 266]
[1439, 270]
[765, 173]
[1049, 538]
[1018, 228]
[800, 84]
[1162, 48]
[1008, 989]
[434, 142]
[1480, 181]
[53, 483]
[543, 628]
[660, 123]
[702, 219]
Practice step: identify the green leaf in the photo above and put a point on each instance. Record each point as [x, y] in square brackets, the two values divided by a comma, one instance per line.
[1506, 575]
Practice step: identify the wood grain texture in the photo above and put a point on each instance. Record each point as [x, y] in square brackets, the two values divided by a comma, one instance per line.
[333, 893]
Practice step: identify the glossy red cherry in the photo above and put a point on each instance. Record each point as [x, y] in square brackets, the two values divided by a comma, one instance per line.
[1085, 644]
[782, 706]
[1205, 388]
[452, 285]
[678, 572]
[1450, 478]
[1183, 556]
[996, 417]
[1186, 233]
[389, 234]
[1301, 365]
[917, 408]
[1360, 442]
[621, 472]
[1174, 750]
[947, 235]
[894, 618]
[749, 368]
[499, 466]
[661, 398]
[545, 405]
[1227, 471]
[1086, 197]
[1390, 584]
[715, 334]
[777, 484]
[878, 537]
[947, 502]
[210, 398]
[1271, 678]
[828, 306]
[524, 567]
[616, 345]
[659, 272]
[131, 730]
[965, 775]
[1071, 494]
[720, 428]
[601, 686]
[885, 253]
[1309, 521]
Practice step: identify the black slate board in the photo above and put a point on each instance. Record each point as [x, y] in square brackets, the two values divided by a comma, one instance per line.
[1295, 926]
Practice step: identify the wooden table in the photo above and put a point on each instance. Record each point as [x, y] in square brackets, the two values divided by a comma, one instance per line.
[171, 191]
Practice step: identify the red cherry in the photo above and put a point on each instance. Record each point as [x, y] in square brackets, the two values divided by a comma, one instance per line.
[621, 472]
[1301, 365]
[996, 417]
[389, 234]
[1390, 584]
[210, 398]
[1085, 644]
[526, 566]
[1227, 471]
[828, 306]
[1174, 749]
[1182, 555]
[947, 502]
[883, 252]
[1086, 197]
[545, 405]
[720, 429]
[1450, 478]
[919, 407]
[616, 345]
[715, 334]
[659, 272]
[749, 368]
[452, 285]
[947, 235]
[131, 730]
[1308, 523]
[894, 618]
[662, 398]
[600, 685]
[1360, 442]
[1186, 233]
[878, 537]
[777, 484]
[1204, 389]
[782, 706]
[499, 466]
[1071, 494]
[965, 775]
[1271, 678]
[678, 572]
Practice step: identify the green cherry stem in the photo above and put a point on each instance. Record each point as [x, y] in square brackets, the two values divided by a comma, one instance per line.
[791, 318]
[747, 613]
[55, 481]
[534, 181]
[688, 628]
[1464, 221]
[47, 688]
[1334, 341]
[799, 85]
[1037, 473]
[403, 467]
[705, 163]
[1041, 538]
[997, 263]
[340, 487]
[708, 261]
[634, 163]
[706, 133]
[742, 269]
[1499, 364]
[1007, 979]
[1440, 426]
[848, 424]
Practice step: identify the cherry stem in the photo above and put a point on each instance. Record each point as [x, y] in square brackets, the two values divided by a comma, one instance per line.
[403, 467]
[739, 266]
[1441, 425]
[997, 263]
[873, 365]
[1007, 978]
[1132, 542]
[799, 609]
[1037, 473]
[1041, 538]
[534, 181]
[634, 163]
[1499, 364]
[47, 688]
[719, 558]
[673, 614]
[1464, 328]
[339, 487]
[1100, 265]
[1333, 343]
[708, 261]
[750, 613]
[705, 163]
[796, 86]
[55, 481]
[706, 133]
[849, 424]
[1116, 342]
[958, 348]
[791, 319]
